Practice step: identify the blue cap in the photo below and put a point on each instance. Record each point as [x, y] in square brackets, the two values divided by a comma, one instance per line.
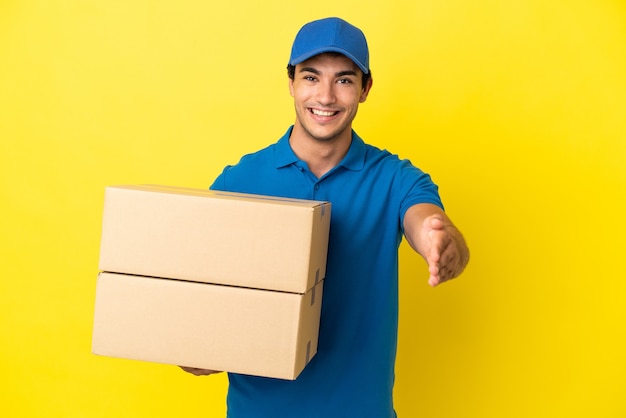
[330, 35]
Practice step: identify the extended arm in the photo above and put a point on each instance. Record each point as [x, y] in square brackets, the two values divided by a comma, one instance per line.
[432, 234]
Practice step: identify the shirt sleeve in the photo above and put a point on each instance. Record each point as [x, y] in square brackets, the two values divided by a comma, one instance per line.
[417, 187]
[220, 182]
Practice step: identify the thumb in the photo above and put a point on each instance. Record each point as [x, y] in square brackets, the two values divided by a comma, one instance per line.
[435, 222]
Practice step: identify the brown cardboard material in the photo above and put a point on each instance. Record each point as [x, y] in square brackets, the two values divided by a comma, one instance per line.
[215, 237]
[249, 331]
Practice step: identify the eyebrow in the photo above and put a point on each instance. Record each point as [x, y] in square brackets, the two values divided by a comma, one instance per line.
[317, 72]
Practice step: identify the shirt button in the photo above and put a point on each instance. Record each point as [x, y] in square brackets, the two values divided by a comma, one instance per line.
[317, 187]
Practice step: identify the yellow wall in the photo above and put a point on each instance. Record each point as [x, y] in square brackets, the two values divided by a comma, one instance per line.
[516, 108]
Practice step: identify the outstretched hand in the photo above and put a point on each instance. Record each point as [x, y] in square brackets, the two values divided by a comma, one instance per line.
[431, 233]
[442, 250]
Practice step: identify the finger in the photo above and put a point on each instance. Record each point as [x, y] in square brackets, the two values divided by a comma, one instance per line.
[198, 371]
[449, 257]
[191, 370]
[434, 271]
[439, 241]
[434, 280]
[434, 265]
[451, 260]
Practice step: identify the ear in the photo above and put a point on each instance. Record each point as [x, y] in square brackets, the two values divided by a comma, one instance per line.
[366, 90]
[291, 87]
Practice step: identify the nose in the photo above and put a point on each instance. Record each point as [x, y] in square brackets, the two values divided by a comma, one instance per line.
[326, 93]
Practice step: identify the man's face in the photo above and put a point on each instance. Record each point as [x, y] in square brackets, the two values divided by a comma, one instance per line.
[327, 90]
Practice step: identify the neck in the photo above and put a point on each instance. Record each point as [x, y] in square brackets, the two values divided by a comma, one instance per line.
[321, 155]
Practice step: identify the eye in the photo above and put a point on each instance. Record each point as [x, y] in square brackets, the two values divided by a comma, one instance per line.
[344, 81]
[309, 78]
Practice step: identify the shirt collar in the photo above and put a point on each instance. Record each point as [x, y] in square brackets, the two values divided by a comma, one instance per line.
[283, 153]
[354, 159]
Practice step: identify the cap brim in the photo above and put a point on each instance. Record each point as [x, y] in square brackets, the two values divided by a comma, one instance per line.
[310, 54]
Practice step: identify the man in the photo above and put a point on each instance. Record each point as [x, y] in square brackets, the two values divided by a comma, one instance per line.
[376, 198]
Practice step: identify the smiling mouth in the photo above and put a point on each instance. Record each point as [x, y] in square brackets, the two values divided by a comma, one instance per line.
[324, 113]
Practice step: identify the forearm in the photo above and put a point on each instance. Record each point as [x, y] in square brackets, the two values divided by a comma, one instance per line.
[414, 221]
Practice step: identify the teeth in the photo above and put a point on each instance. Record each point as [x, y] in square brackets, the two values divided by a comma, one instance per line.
[322, 112]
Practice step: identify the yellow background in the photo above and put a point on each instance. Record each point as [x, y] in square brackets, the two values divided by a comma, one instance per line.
[517, 109]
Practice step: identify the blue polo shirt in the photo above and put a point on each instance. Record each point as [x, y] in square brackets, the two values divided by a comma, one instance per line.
[352, 374]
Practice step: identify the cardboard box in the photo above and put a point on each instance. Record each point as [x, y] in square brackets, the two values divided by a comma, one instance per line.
[215, 237]
[249, 331]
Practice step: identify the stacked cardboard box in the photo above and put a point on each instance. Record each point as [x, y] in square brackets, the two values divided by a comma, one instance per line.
[215, 280]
